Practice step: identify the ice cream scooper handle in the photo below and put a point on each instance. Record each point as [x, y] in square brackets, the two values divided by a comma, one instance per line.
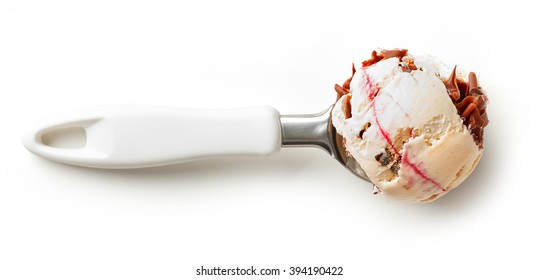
[132, 136]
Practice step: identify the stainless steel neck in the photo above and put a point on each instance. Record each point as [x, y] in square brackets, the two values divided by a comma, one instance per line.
[307, 131]
[316, 130]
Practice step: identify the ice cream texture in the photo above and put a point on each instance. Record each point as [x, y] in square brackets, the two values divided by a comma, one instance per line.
[414, 125]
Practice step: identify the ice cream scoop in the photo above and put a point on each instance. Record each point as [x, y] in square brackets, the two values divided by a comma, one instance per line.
[414, 125]
[394, 124]
[135, 136]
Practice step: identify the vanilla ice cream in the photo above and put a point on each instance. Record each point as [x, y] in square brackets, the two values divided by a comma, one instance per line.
[414, 125]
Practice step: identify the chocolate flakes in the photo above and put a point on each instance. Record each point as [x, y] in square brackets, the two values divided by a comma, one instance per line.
[471, 103]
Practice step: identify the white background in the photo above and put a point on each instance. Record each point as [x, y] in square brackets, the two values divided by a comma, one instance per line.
[298, 208]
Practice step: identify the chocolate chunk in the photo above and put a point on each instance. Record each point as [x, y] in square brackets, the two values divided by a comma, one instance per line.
[396, 166]
[383, 159]
[365, 127]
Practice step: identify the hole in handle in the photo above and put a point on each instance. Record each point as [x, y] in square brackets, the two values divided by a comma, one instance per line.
[64, 137]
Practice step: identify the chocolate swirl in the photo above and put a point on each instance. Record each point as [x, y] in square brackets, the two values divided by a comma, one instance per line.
[471, 103]
[384, 54]
[344, 90]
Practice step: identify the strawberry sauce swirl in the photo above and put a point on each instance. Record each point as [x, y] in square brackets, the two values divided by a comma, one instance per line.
[373, 91]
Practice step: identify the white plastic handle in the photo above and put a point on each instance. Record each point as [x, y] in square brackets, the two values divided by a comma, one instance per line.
[133, 136]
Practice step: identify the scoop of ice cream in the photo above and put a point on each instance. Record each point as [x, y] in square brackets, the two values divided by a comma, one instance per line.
[414, 125]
